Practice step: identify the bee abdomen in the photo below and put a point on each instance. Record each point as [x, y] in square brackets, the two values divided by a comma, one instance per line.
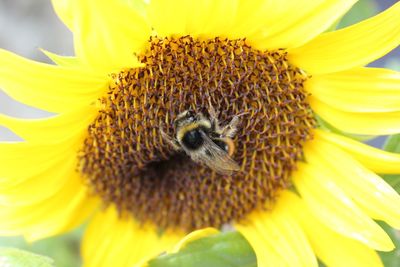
[225, 144]
[222, 144]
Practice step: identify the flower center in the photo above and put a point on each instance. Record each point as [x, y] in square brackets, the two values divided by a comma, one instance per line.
[126, 160]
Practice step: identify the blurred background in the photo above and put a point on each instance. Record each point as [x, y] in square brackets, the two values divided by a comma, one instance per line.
[27, 25]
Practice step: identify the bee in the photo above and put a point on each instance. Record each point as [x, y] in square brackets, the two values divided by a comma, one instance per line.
[205, 141]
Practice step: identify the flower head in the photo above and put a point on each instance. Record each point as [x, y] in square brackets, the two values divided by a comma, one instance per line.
[267, 63]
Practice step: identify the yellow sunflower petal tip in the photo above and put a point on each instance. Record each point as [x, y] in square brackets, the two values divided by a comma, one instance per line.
[195, 235]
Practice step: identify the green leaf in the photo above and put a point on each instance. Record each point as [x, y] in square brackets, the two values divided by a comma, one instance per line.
[394, 181]
[392, 143]
[228, 249]
[63, 249]
[326, 126]
[20, 258]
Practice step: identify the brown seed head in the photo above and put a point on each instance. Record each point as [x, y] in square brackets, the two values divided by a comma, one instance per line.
[126, 161]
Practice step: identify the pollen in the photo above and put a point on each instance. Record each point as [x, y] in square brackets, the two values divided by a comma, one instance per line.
[126, 161]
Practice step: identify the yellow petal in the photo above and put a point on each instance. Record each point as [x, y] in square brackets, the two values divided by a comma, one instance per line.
[10, 178]
[46, 86]
[56, 214]
[363, 123]
[170, 18]
[277, 239]
[372, 194]
[330, 204]
[377, 160]
[333, 249]
[266, 254]
[35, 188]
[223, 14]
[34, 157]
[358, 90]
[302, 22]
[354, 46]
[54, 129]
[251, 20]
[289, 24]
[63, 61]
[47, 166]
[64, 11]
[114, 240]
[250, 17]
[46, 174]
[197, 18]
[107, 34]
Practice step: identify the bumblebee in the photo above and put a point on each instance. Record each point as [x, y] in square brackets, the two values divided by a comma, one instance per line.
[205, 141]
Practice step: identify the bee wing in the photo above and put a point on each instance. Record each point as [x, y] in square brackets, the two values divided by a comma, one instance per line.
[215, 158]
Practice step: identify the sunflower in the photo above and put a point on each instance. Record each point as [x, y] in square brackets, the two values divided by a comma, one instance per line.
[302, 192]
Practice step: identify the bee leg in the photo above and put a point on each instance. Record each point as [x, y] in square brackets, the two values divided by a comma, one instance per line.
[231, 129]
[170, 141]
[213, 116]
